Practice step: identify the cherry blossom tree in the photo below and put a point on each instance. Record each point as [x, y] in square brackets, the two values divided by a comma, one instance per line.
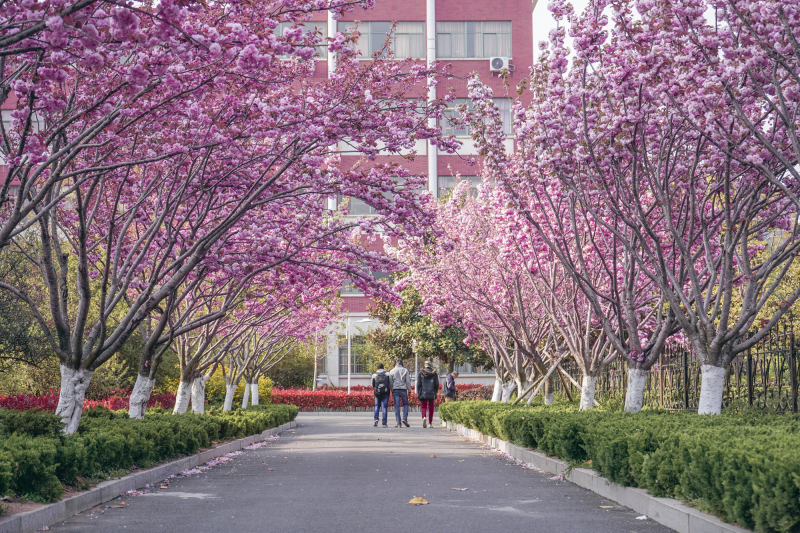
[253, 166]
[620, 129]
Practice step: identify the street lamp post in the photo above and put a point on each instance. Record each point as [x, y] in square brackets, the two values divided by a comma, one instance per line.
[349, 360]
[416, 363]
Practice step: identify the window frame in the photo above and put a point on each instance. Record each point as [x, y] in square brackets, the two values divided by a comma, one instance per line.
[358, 360]
[321, 49]
[451, 110]
[365, 27]
[466, 33]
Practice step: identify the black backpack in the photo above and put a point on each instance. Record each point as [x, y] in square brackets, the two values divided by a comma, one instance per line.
[382, 384]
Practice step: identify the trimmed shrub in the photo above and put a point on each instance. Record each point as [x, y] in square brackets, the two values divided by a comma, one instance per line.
[743, 468]
[107, 441]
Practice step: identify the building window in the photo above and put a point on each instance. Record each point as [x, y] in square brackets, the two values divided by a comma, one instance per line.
[448, 183]
[503, 105]
[321, 28]
[479, 39]
[350, 289]
[408, 39]
[357, 206]
[361, 363]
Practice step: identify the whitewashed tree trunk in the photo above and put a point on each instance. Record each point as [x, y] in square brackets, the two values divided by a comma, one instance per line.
[199, 395]
[711, 390]
[140, 395]
[507, 391]
[182, 398]
[246, 395]
[634, 396]
[497, 393]
[70, 401]
[254, 393]
[587, 392]
[230, 390]
[548, 391]
[522, 387]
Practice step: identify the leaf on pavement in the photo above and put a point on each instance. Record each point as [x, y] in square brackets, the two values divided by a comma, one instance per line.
[606, 507]
[433, 455]
[418, 501]
[271, 469]
[458, 489]
[461, 460]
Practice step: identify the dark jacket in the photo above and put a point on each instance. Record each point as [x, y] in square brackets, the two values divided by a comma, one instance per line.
[427, 384]
[450, 382]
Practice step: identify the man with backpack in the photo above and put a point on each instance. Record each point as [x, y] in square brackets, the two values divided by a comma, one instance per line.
[427, 389]
[449, 387]
[382, 384]
[401, 386]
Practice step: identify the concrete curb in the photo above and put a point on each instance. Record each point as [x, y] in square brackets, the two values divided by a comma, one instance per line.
[108, 490]
[666, 511]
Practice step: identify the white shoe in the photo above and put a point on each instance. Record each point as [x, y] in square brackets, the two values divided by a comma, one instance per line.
[424, 423]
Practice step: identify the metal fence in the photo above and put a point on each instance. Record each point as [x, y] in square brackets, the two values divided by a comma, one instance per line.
[766, 377]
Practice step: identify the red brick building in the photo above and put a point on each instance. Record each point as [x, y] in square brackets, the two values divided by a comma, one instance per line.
[470, 35]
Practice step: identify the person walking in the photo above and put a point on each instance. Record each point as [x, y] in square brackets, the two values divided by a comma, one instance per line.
[449, 387]
[382, 384]
[427, 389]
[401, 386]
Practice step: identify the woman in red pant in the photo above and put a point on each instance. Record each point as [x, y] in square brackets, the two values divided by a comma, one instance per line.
[427, 389]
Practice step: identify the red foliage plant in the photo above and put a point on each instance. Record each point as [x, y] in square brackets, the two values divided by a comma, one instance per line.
[114, 402]
[336, 398]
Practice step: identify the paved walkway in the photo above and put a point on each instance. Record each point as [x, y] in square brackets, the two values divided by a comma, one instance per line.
[337, 473]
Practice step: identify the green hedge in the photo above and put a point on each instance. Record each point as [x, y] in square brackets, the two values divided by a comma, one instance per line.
[743, 468]
[35, 459]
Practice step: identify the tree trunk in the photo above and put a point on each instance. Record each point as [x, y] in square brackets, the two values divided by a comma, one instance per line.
[634, 396]
[548, 391]
[587, 392]
[230, 390]
[140, 395]
[199, 395]
[254, 393]
[70, 400]
[182, 397]
[246, 395]
[451, 365]
[497, 393]
[711, 390]
[507, 391]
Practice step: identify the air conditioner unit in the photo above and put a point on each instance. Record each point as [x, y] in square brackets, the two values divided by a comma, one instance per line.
[496, 64]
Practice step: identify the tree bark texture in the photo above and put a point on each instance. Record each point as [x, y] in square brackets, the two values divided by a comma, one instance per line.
[634, 396]
[140, 395]
[507, 391]
[70, 401]
[246, 395]
[548, 391]
[587, 392]
[230, 390]
[497, 393]
[199, 395]
[711, 389]
[182, 397]
[254, 393]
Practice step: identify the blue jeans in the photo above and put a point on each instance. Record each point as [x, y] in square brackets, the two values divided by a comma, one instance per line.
[400, 395]
[381, 402]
